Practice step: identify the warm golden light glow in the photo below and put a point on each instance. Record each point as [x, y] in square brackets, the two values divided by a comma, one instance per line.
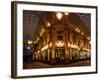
[30, 42]
[68, 44]
[66, 13]
[82, 33]
[44, 48]
[42, 31]
[78, 30]
[60, 43]
[35, 41]
[50, 44]
[88, 38]
[48, 24]
[86, 49]
[90, 42]
[59, 15]
[74, 46]
[38, 51]
[78, 48]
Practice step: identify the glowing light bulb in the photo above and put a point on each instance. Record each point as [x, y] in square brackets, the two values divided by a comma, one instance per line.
[30, 42]
[59, 15]
[66, 13]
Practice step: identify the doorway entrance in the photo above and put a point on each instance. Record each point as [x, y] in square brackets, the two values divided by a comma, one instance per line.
[60, 55]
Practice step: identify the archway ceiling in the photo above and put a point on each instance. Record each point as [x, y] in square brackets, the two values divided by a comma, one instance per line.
[36, 20]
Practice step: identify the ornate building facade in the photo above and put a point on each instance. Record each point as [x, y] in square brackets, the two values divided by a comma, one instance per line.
[62, 39]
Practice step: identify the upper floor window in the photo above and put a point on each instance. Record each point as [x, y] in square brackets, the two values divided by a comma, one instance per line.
[59, 35]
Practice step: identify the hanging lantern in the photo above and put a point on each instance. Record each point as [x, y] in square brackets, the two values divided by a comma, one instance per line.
[59, 15]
